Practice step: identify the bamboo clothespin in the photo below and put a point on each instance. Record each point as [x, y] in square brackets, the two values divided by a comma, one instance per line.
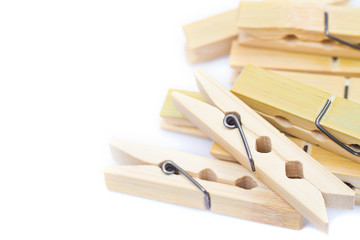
[229, 188]
[346, 170]
[285, 168]
[278, 19]
[337, 85]
[240, 56]
[294, 107]
[348, 88]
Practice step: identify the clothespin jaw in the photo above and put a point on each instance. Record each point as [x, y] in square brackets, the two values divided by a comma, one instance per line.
[232, 189]
[277, 167]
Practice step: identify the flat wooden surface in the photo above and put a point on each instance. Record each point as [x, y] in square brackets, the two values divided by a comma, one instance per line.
[336, 85]
[297, 104]
[328, 83]
[240, 56]
[233, 190]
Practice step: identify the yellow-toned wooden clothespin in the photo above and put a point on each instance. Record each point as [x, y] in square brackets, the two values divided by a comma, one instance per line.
[273, 59]
[225, 187]
[280, 164]
[294, 107]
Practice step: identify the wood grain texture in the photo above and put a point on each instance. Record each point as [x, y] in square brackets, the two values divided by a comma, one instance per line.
[164, 124]
[328, 83]
[278, 19]
[270, 166]
[296, 106]
[211, 37]
[293, 44]
[233, 190]
[240, 56]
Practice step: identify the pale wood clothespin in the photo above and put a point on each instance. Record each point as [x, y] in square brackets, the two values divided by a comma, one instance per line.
[346, 87]
[223, 187]
[294, 107]
[280, 164]
[292, 36]
[273, 59]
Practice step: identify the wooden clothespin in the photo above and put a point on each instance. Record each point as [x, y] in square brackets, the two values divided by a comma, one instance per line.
[345, 169]
[279, 19]
[197, 182]
[240, 56]
[348, 88]
[302, 111]
[284, 167]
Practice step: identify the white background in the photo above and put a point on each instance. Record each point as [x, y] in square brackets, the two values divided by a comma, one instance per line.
[73, 74]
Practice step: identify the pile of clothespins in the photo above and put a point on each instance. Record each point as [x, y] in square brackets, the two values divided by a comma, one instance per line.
[291, 119]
